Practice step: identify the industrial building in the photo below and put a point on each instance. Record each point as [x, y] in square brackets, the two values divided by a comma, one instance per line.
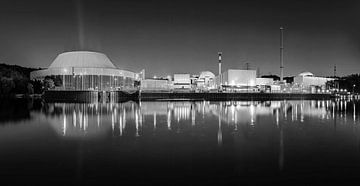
[206, 81]
[85, 70]
[264, 81]
[307, 81]
[239, 79]
[182, 81]
[155, 85]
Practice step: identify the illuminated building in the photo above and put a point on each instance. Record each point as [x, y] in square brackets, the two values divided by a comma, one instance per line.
[182, 81]
[307, 80]
[155, 85]
[84, 70]
[206, 80]
[234, 78]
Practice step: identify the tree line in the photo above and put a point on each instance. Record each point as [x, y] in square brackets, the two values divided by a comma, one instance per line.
[15, 79]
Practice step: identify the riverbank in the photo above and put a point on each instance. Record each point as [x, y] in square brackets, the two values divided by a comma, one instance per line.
[230, 96]
[120, 96]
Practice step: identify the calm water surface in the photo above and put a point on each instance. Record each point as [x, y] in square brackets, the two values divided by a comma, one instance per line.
[191, 143]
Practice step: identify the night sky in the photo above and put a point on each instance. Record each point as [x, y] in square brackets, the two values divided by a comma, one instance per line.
[166, 37]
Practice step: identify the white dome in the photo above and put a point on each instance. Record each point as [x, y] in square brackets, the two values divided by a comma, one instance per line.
[306, 74]
[206, 74]
[83, 59]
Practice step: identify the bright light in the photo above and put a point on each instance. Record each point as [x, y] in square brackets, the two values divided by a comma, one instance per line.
[252, 82]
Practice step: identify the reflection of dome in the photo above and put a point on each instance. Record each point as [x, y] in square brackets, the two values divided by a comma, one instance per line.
[82, 59]
[206, 74]
[306, 74]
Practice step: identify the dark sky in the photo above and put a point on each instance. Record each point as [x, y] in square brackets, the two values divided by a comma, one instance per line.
[166, 37]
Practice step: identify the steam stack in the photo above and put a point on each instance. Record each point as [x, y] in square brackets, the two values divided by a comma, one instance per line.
[220, 53]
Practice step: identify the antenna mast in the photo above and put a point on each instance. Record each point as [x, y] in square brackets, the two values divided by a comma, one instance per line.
[281, 54]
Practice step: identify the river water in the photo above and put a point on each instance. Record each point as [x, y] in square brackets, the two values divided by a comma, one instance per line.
[241, 142]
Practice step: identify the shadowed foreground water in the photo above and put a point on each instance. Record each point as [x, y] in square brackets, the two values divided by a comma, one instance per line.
[304, 142]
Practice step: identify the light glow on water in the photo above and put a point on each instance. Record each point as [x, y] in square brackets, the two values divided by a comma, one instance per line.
[202, 136]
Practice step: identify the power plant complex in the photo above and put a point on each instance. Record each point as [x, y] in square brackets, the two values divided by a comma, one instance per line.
[94, 71]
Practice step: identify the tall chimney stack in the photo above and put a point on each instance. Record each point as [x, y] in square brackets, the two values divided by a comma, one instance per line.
[220, 53]
[281, 54]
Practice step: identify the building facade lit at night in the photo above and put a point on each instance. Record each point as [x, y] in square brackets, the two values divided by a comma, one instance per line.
[85, 70]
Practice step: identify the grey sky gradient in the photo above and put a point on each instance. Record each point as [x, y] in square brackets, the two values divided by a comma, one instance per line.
[166, 37]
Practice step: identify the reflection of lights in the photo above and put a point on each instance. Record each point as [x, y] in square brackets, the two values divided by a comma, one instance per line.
[277, 117]
[80, 119]
[154, 120]
[192, 116]
[98, 120]
[137, 123]
[252, 112]
[354, 113]
[85, 116]
[64, 125]
[124, 119]
[219, 135]
[85, 122]
[232, 107]
[169, 119]
[74, 118]
[345, 103]
[112, 121]
[302, 112]
[120, 125]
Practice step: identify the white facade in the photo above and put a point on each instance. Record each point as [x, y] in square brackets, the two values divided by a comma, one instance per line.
[153, 85]
[182, 81]
[307, 79]
[264, 81]
[235, 77]
[85, 70]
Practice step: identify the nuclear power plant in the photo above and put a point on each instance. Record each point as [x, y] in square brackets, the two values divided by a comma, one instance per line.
[94, 72]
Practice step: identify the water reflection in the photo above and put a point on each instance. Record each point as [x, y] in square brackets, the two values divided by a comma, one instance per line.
[234, 119]
[74, 119]
[248, 138]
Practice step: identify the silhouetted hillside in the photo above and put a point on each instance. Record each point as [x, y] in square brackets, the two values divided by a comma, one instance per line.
[15, 79]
